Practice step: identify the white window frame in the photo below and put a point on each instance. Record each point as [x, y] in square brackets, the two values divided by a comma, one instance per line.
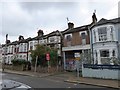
[105, 56]
[94, 34]
[112, 33]
[25, 47]
[54, 39]
[68, 35]
[102, 37]
[83, 32]
[83, 40]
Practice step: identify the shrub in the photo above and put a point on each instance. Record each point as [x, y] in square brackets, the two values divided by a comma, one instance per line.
[40, 52]
[19, 62]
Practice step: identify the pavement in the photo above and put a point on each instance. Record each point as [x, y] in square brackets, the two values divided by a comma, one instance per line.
[72, 78]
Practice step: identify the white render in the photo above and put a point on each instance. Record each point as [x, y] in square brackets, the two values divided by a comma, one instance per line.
[115, 33]
[32, 44]
[10, 54]
[9, 58]
[77, 47]
[43, 41]
[13, 52]
[57, 39]
[110, 44]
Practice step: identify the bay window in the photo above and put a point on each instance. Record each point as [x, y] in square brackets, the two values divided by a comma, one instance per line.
[102, 33]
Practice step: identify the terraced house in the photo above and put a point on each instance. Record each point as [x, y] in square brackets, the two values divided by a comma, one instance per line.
[21, 48]
[101, 38]
[76, 41]
[33, 42]
[52, 40]
[17, 49]
[106, 41]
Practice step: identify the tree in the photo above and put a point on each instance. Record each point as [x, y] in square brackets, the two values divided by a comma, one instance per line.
[87, 57]
[41, 51]
[53, 57]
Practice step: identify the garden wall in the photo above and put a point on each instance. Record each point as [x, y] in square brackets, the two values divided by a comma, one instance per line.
[106, 72]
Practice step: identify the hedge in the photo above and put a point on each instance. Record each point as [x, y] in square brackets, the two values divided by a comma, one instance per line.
[19, 62]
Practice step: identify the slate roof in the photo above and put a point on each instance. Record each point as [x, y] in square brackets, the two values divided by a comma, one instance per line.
[24, 40]
[53, 33]
[81, 28]
[105, 21]
[11, 43]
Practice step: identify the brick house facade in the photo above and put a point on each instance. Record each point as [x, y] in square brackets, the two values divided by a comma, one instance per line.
[76, 42]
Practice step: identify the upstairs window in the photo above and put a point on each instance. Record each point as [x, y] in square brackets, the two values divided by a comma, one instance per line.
[102, 33]
[102, 30]
[52, 39]
[25, 47]
[83, 35]
[21, 47]
[68, 37]
[111, 32]
[31, 45]
[94, 36]
[42, 41]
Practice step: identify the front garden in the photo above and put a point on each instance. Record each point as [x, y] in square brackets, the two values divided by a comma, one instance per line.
[18, 64]
[39, 62]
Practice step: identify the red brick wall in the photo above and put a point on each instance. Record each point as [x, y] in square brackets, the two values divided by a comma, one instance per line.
[76, 39]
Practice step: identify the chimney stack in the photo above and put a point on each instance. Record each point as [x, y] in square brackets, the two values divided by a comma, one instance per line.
[94, 18]
[21, 38]
[70, 25]
[40, 33]
[8, 41]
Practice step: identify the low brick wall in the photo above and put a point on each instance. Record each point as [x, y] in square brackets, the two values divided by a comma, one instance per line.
[50, 70]
[18, 67]
[8, 67]
[39, 69]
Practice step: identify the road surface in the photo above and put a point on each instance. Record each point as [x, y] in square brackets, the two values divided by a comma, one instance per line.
[46, 82]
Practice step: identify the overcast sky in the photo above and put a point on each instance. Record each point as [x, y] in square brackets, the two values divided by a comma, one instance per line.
[25, 18]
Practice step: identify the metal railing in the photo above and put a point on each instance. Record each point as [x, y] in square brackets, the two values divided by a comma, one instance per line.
[93, 66]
